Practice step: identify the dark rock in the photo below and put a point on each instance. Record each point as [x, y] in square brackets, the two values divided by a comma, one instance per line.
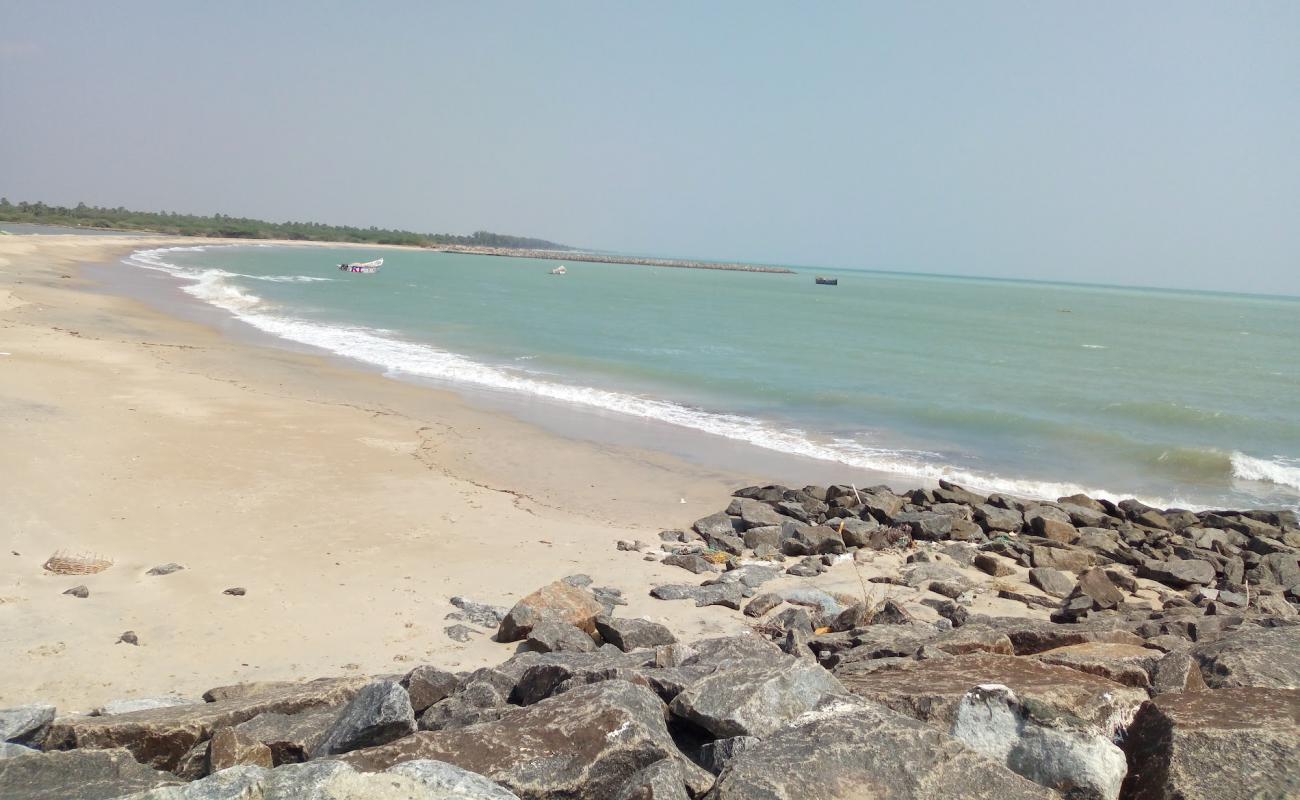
[552, 636]
[633, 634]
[1061, 558]
[992, 565]
[769, 535]
[755, 699]
[25, 725]
[723, 594]
[129, 637]
[378, 714]
[289, 737]
[160, 737]
[1095, 585]
[757, 514]
[718, 525]
[1178, 573]
[586, 745]
[994, 519]
[1260, 657]
[426, 685]
[78, 591]
[165, 569]
[857, 532]
[762, 604]
[1036, 636]
[77, 775]
[558, 601]
[853, 751]
[662, 780]
[925, 525]
[482, 696]
[459, 633]
[891, 612]
[229, 748]
[1051, 581]
[804, 540]
[715, 755]
[480, 614]
[1176, 671]
[1228, 744]
[1056, 531]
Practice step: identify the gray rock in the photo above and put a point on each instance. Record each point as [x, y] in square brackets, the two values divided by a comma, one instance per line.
[691, 562]
[994, 519]
[633, 634]
[717, 525]
[992, 721]
[380, 713]
[236, 591]
[25, 724]
[165, 569]
[460, 633]
[140, 704]
[849, 750]
[450, 781]
[723, 594]
[1070, 560]
[769, 535]
[480, 614]
[662, 780]
[1263, 657]
[805, 540]
[750, 576]
[427, 684]
[78, 591]
[992, 565]
[77, 775]
[1051, 581]
[553, 636]
[128, 637]
[580, 580]
[585, 744]
[755, 699]
[814, 598]
[1178, 573]
[925, 525]
[10, 750]
[481, 697]
[714, 756]
[757, 514]
[1226, 744]
[290, 737]
[1176, 671]
[762, 604]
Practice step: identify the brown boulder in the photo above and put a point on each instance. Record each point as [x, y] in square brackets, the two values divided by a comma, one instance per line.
[1075, 561]
[1122, 663]
[558, 601]
[230, 748]
[78, 775]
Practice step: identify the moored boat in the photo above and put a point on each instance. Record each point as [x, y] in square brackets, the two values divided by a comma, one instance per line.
[827, 281]
[363, 267]
[560, 270]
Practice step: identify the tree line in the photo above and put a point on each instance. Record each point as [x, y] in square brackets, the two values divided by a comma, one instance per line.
[223, 226]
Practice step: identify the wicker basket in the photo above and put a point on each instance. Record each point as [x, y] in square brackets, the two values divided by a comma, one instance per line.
[63, 563]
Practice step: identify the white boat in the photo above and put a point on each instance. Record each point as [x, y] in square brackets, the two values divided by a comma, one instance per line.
[364, 267]
[560, 270]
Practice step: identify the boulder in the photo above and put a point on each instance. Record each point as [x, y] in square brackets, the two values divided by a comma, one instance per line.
[26, 725]
[139, 704]
[290, 737]
[480, 614]
[762, 604]
[757, 514]
[633, 634]
[1177, 671]
[1053, 530]
[1030, 636]
[768, 535]
[10, 750]
[1251, 656]
[990, 564]
[755, 699]
[1047, 749]
[718, 524]
[804, 540]
[380, 713]
[714, 756]
[1225, 744]
[1178, 573]
[426, 685]
[926, 525]
[994, 519]
[691, 562]
[584, 744]
[721, 594]
[557, 600]
[1121, 663]
[932, 690]
[1051, 581]
[160, 737]
[553, 636]
[849, 750]
[229, 748]
[77, 775]
[1075, 561]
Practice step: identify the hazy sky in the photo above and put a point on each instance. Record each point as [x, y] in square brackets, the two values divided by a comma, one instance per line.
[1145, 143]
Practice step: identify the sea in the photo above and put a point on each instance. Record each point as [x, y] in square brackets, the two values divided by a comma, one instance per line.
[1179, 398]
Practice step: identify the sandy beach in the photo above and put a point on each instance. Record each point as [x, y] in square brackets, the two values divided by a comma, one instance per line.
[350, 507]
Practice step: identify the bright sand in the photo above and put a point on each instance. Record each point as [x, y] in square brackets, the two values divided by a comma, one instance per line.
[351, 507]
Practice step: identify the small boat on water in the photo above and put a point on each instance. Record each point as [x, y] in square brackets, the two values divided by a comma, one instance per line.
[560, 270]
[827, 281]
[363, 267]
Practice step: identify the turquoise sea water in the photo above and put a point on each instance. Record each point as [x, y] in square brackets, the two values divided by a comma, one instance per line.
[1181, 398]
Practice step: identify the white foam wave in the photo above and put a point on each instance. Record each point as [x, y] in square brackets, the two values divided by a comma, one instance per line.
[1282, 471]
[1095, 346]
[373, 346]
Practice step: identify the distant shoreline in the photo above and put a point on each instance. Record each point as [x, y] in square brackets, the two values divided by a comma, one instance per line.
[599, 258]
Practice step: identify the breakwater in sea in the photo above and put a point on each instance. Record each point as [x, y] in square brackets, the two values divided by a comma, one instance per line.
[601, 258]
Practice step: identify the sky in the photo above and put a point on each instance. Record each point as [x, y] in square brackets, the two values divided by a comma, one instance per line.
[1153, 143]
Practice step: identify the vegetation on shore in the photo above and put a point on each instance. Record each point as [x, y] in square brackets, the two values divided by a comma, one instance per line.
[220, 225]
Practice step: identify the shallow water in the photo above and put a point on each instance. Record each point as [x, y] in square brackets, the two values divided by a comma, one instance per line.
[1181, 398]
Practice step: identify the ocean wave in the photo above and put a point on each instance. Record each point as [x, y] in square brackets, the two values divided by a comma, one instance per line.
[399, 356]
[1281, 471]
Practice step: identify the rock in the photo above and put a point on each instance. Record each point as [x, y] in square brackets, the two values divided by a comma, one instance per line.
[78, 591]
[769, 535]
[251, 689]
[230, 748]
[757, 514]
[459, 633]
[691, 562]
[140, 704]
[1053, 530]
[26, 725]
[449, 782]
[1051, 581]
[762, 604]
[925, 525]
[992, 565]
[10, 750]
[891, 612]
[1121, 663]
[160, 737]
[165, 569]
[557, 600]
[992, 721]
[814, 598]
[1030, 636]
[1227, 744]
[1095, 587]
[1178, 573]
[380, 713]
[715, 755]
[77, 775]
[1075, 561]
[806, 541]
[931, 691]
[849, 750]
[552, 636]
[721, 594]
[480, 614]
[1264, 657]
[755, 699]
[236, 591]
[633, 634]
[994, 519]
[857, 532]
[585, 744]
[1176, 671]
[662, 780]
[129, 637]
[717, 525]
[481, 697]
[289, 737]
[426, 685]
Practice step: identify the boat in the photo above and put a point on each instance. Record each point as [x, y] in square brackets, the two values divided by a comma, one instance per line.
[827, 281]
[364, 267]
[560, 270]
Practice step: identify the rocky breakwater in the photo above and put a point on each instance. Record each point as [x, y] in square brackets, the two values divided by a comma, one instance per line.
[933, 644]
